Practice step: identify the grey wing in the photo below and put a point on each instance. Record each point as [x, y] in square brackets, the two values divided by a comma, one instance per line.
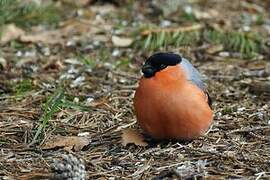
[192, 74]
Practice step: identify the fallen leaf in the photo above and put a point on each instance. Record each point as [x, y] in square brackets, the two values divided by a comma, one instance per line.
[67, 142]
[215, 49]
[100, 38]
[121, 41]
[10, 32]
[78, 3]
[131, 136]
[3, 63]
[256, 65]
[211, 13]
[53, 64]
[259, 87]
[103, 9]
[73, 26]
[47, 37]
[98, 102]
[89, 29]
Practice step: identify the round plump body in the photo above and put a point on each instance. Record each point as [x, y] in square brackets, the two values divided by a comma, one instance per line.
[168, 106]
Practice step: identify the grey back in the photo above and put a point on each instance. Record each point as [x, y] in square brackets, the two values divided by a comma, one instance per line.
[193, 74]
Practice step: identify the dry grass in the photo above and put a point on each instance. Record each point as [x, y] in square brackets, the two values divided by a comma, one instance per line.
[97, 98]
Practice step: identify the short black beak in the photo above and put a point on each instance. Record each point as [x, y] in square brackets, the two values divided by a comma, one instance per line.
[148, 70]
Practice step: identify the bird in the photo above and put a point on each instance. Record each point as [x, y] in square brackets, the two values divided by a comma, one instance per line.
[171, 100]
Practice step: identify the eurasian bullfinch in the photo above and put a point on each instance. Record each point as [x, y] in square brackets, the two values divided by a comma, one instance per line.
[172, 101]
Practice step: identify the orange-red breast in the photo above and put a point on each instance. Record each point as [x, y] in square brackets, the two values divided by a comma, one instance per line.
[171, 101]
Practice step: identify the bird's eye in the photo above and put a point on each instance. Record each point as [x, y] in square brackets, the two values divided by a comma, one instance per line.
[162, 66]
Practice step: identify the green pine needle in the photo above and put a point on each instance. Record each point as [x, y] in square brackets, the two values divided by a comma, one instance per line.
[164, 39]
[247, 43]
[55, 103]
[27, 14]
[50, 108]
[23, 87]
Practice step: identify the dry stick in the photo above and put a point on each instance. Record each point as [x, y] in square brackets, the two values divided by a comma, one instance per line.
[141, 170]
[171, 30]
[169, 166]
[260, 137]
[107, 173]
[15, 114]
[125, 126]
[36, 176]
[126, 75]
[221, 155]
[249, 129]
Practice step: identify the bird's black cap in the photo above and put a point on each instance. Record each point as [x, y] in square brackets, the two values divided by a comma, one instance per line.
[159, 61]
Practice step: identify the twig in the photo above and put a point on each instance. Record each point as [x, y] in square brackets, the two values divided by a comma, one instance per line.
[141, 170]
[249, 129]
[171, 30]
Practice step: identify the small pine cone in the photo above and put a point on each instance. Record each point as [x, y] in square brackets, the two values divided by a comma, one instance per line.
[70, 168]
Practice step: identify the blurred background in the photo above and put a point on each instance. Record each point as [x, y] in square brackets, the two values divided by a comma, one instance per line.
[70, 68]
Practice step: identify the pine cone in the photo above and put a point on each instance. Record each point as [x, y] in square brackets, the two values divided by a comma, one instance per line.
[70, 168]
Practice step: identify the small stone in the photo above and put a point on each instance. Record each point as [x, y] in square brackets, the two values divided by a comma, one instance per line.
[78, 81]
[84, 134]
[165, 23]
[116, 52]
[224, 54]
[89, 100]
[76, 100]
